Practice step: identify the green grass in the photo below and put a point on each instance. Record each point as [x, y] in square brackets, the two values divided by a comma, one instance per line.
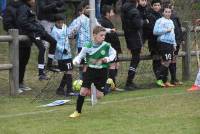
[155, 111]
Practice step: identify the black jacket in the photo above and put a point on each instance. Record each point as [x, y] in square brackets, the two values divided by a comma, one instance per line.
[152, 39]
[132, 24]
[112, 37]
[47, 9]
[27, 23]
[177, 30]
[10, 16]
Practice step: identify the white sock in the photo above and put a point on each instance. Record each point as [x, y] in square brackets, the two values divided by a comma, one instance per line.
[197, 81]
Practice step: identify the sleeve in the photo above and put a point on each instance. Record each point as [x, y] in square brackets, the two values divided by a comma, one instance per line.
[8, 19]
[23, 21]
[112, 54]
[80, 56]
[159, 29]
[74, 27]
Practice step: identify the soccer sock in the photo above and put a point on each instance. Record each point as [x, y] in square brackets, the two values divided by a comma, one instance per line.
[172, 70]
[69, 82]
[156, 65]
[49, 62]
[63, 81]
[162, 72]
[131, 75]
[112, 74]
[80, 102]
[41, 69]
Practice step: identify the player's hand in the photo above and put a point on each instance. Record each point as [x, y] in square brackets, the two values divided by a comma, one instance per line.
[113, 30]
[104, 60]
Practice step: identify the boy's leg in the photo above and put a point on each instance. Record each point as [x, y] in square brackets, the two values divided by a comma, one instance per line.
[52, 48]
[132, 69]
[60, 90]
[40, 46]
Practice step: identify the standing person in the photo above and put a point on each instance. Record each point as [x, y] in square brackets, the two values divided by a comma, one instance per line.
[112, 38]
[154, 14]
[63, 54]
[98, 9]
[98, 54]
[81, 27]
[47, 10]
[9, 22]
[132, 24]
[179, 41]
[164, 29]
[28, 25]
[142, 7]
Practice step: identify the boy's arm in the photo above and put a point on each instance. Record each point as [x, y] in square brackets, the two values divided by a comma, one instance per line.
[108, 30]
[80, 56]
[74, 27]
[159, 29]
[112, 55]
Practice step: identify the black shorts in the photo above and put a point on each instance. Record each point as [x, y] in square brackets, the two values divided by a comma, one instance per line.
[96, 76]
[166, 51]
[83, 61]
[65, 65]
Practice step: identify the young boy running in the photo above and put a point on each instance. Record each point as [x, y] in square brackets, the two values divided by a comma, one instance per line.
[98, 54]
[164, 29]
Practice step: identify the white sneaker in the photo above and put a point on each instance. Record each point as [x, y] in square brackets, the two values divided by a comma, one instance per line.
[24, 87]
[19, 91]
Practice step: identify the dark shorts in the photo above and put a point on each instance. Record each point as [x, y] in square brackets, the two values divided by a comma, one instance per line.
[83, 60]
[96, 76]
[166, 51]
[65, 65]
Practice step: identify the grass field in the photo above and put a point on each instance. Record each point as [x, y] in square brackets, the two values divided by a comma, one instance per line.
[150, 111]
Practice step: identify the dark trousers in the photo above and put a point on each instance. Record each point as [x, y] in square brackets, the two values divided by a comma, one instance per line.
[24, 55]
[38, 42]
[133, 65]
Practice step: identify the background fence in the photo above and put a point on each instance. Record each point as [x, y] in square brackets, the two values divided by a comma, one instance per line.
[144, 73]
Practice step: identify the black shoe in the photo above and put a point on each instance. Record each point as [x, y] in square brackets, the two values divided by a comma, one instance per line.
[131, 87]
[60, 91]
[43, 77]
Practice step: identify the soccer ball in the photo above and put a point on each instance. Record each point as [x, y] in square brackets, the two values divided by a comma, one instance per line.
[111, 83]
[77, 85]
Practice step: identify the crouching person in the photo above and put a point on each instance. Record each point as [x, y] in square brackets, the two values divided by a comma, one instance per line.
[98, 54]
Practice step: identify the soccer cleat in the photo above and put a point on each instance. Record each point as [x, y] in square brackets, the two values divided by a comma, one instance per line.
[74, 114]
[176, 82]
[131, 87]
[167, 84]
[194, 88]
[160, 83]
[111, 82]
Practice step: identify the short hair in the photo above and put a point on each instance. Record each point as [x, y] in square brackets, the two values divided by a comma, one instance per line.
[59, 17]
[98, 29]
[106, 9]
[155, 1]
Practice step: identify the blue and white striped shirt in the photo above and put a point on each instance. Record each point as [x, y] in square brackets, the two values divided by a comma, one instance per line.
[160, 29]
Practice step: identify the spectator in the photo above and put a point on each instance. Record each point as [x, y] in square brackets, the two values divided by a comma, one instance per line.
[154, 14]
[63, 55]
[164, 29]
[28, 25]
[9, 22]
[112, 38]
[132, 25]
[47, 12]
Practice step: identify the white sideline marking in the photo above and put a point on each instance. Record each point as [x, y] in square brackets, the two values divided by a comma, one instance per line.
[102, 103]
[27, 113]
